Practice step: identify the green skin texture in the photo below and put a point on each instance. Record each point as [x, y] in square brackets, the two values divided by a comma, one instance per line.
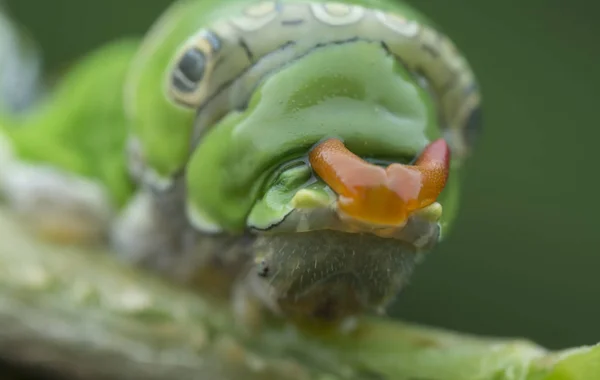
[378, 112]
[115, 91]
[269, 132]
[163, 128]
[81, 128]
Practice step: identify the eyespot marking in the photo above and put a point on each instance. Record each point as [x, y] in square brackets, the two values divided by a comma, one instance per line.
[196, 59]
[192, 65]
[337, 14]
[293, 22]
[189, 71]
[398, 24]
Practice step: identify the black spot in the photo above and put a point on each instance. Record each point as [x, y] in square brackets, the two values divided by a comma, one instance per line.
[263, 269]
[246, 48]
[292, 22]
[474, 126]
[192, 65]
[386, 48]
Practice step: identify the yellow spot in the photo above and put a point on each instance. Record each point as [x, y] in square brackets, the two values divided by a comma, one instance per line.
[432, 213]
[310, 199]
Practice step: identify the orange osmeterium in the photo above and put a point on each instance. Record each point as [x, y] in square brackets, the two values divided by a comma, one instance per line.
[381, 196]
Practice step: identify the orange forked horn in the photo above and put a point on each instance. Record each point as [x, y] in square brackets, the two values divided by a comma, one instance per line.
[372, 194]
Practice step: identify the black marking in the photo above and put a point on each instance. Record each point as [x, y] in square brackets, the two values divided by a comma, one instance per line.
[225, 85]
[264, 269]
[293, 22]
[340, 42]
[317, 46]
[386, 48]
[436, 94]
[192, 65]
[286, 45]
[272, 225]
[246, 48]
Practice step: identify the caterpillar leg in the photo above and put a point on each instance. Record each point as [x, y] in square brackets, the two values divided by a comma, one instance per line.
[56, 205]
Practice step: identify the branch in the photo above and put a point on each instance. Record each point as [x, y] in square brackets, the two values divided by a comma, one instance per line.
[86, 316]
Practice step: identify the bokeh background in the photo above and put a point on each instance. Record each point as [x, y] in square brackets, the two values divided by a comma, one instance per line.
[524, 257]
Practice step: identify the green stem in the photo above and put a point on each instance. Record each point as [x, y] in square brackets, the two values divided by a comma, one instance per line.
[84, 314]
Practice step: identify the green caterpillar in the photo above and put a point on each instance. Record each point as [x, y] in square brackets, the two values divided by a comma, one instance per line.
[298, 155]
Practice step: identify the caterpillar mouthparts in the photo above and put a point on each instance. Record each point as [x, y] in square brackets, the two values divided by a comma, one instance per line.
[371, 194]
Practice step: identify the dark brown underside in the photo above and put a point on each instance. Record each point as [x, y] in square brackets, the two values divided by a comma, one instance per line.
[329, 275]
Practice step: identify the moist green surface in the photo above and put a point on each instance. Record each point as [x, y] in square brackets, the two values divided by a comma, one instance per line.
[355, 92]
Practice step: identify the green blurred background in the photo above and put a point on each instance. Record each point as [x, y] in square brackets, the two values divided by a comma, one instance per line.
[523, 259]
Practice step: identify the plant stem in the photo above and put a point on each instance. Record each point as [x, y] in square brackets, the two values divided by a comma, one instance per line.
[84, 315]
